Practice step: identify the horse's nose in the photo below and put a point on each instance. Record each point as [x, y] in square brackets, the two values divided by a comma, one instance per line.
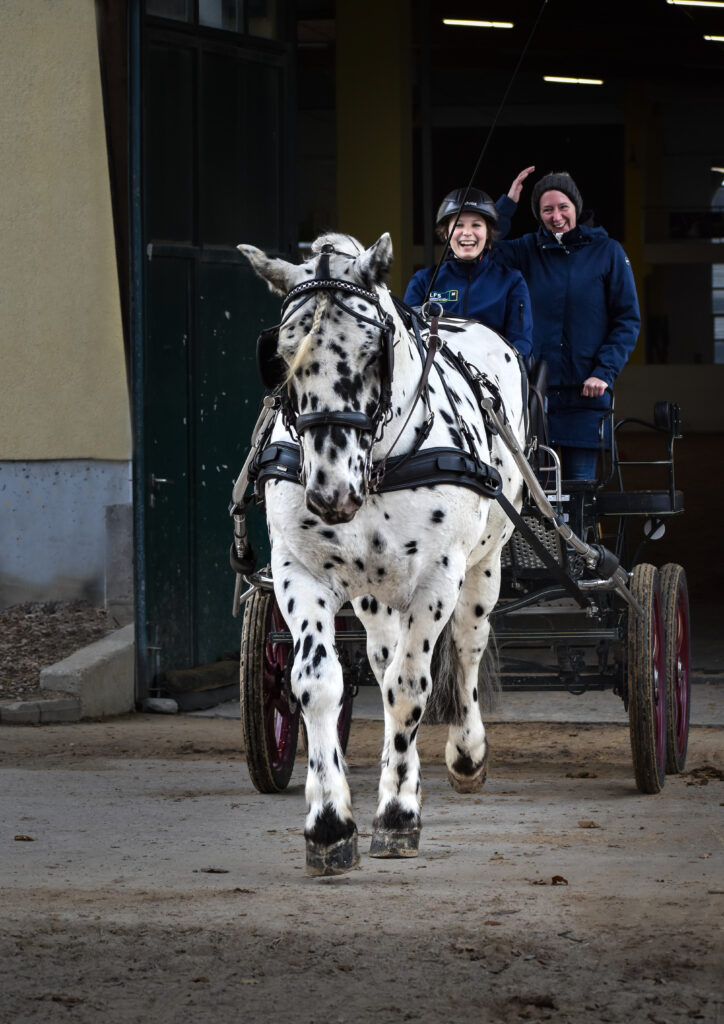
[333, 508]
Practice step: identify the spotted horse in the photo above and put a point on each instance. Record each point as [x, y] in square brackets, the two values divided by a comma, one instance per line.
[382, 482]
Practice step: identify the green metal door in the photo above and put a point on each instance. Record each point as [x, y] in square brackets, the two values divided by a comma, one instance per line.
[212, 156]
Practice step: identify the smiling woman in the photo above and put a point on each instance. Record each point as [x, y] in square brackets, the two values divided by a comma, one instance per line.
[469, 283]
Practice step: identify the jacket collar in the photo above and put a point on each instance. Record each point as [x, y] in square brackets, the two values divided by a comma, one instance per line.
[576, 238]
[464, 268]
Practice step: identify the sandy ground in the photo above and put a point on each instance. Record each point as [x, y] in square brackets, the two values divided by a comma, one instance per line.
[144, 879]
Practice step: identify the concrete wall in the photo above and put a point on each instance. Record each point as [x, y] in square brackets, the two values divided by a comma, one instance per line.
[53, 534]
[64, 393]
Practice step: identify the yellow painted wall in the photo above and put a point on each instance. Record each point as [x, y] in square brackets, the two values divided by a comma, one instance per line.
[63, 391]
[374, 127]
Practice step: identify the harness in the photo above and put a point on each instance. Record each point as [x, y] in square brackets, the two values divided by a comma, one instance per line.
[281, 461]
[416, 468]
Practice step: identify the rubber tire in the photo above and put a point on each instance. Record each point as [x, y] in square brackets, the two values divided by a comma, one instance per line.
[647, 681]
[677, 646]
[271, 728]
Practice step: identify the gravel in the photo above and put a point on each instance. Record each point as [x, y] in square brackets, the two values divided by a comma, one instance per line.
[36, 634]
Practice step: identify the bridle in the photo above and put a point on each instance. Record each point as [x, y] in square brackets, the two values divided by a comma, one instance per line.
[298, 422]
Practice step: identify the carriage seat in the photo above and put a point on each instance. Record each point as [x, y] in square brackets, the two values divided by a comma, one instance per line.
[664, 502]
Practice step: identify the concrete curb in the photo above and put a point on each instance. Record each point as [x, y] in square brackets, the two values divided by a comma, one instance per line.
[99, 681]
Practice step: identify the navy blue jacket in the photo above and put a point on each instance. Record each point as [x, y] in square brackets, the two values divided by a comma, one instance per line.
[482, 290]
[585, 317]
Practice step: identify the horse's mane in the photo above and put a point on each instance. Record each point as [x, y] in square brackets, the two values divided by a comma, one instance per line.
[306, 343]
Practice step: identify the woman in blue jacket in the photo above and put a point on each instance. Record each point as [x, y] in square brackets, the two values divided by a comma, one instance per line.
[470, 283]
[585, 312]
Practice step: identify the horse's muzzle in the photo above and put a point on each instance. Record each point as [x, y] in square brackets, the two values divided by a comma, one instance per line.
[333, 509]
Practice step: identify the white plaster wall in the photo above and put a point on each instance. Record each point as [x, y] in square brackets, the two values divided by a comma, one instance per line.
[63, 384]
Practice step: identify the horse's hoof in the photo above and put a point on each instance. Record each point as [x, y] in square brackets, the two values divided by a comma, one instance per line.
[336, 859]
[471, 783]
[389, 842]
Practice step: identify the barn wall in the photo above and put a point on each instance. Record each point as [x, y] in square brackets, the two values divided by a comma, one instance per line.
[64, 383]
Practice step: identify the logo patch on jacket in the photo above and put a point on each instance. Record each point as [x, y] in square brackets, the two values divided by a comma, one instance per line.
[451, 295]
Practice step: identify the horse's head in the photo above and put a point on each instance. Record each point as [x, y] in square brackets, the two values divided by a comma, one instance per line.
[335, 343]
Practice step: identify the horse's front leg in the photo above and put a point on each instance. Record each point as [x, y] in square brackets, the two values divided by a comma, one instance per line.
[406, 687]
[382, 625]
[316, 678]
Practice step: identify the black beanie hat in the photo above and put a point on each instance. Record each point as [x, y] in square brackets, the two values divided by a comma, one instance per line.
[559, 182]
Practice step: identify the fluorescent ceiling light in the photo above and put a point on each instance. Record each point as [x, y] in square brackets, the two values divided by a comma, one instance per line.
[697, 3]
[718, 170]
[463, 23]
[573, 81]
[715, 39]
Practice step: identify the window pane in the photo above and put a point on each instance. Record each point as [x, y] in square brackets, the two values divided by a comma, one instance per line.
[719, 351]
[717, 275]
[179, 10]
[717, 300]
[226, 14]
[719, 328]
[264, 19]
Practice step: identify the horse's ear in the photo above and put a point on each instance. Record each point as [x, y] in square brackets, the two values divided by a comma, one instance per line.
[374, 264]
[278, 274]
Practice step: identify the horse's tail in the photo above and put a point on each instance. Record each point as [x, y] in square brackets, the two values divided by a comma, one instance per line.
[444, 706]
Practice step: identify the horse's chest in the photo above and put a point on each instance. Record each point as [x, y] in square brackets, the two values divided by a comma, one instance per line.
[392, 543]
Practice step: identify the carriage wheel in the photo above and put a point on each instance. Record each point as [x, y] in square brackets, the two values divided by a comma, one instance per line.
[647, 681]
[271, 727]
[675, 612]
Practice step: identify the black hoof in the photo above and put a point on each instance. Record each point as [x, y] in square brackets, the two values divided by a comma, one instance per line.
[336, 859]
[389, 842]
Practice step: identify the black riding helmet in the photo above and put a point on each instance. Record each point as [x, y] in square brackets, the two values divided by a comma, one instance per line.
[475, 202]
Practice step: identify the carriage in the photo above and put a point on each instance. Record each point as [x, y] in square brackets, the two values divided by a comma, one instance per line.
[566, 613]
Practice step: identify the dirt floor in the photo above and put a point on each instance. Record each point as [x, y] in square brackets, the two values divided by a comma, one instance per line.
[143, 878]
